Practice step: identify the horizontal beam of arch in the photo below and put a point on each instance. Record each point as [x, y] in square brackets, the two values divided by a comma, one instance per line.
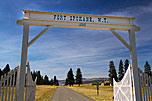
[36, 18]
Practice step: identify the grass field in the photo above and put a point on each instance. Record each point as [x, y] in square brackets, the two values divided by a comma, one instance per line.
[44, 92]
[105, 92]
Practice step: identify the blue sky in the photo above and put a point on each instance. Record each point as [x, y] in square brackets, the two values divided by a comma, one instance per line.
[60, 49]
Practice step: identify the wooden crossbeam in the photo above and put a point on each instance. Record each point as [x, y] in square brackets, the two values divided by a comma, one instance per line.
[39, 35]
[121, 39]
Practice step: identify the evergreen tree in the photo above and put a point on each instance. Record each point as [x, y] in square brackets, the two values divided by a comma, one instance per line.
[147, 68]
[78, 77]
[39, 78]
[34, 75]
[112, 72]
[126, 64]
[55, 81]
[66, 82]
[0, 73]
[51, 82]
[6, 69]
[121, 71]
[70, 78]
[46, 80]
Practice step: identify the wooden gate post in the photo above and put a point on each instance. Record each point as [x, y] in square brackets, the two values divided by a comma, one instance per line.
[134, 65]
[21, 73]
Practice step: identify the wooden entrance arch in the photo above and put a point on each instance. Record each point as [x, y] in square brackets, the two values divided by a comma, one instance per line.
[49, 19]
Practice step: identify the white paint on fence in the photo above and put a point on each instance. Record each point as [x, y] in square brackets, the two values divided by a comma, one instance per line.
[8, 85]
[123, 89]
[146, 86]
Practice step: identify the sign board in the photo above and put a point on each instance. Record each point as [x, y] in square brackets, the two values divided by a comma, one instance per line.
[37, 18]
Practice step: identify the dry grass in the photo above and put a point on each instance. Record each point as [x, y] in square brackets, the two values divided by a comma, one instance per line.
[105, 92]
[44, 92]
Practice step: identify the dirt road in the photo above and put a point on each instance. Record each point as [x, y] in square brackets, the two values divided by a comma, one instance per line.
[66, 94]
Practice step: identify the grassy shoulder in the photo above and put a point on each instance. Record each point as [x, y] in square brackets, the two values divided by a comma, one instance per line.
[105, 92]
[44, 92]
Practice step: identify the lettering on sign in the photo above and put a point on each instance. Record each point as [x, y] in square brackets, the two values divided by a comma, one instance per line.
[79, 19]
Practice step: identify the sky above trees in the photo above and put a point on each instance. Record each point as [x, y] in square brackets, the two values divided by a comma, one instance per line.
[62, 48]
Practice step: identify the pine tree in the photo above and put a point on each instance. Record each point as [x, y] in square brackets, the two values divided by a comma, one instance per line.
[57, 83]
[54, 80]
[0, 73]
[70, 78]
[34, 75]
[121, 71]
[147, 68]
[6, 69]
[46, 80]
[78, 77]
[51, 82]
[66, 82]
[126, 64]
[112, 72]
[39, 78]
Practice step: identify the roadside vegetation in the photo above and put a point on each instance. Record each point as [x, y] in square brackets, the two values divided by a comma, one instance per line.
[105, 92]
[44, 92]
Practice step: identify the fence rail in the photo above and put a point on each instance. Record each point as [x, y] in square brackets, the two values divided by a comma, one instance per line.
[145, 86]
[8, 85]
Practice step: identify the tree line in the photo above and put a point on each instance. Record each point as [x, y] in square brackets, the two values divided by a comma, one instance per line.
[123, 69]
[44, 80]
[40, 79]
[5, 70]
[70, 77]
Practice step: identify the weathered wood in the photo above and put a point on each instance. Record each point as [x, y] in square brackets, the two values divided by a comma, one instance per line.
[22, 70]
[10, 84]
[3, 86]
[121, 39]
[39, 35]
[137, 94]
[30, 86]
[150, 86]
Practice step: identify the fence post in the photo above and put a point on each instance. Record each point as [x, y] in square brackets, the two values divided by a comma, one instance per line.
[137, 94]
[22, 69]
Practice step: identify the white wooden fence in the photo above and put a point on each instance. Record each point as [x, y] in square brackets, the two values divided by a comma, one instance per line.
[123, 89]
[146, 86]
[8, 85]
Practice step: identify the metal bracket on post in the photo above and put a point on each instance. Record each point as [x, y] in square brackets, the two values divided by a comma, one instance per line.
[21, 73]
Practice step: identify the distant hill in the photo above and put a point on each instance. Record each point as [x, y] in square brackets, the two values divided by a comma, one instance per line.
[87, 80]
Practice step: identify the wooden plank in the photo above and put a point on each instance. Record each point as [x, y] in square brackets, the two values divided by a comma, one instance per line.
[10, 84]
[38, 36]
[22, 70]
[137, 94]
[145, 76]
[143, 86]
[139, 74]
[148, 95]
[150, 88]
[6, 87]
[16, 82]
[78, 25]
[13, 86]
[1, 85]
[121, 39]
